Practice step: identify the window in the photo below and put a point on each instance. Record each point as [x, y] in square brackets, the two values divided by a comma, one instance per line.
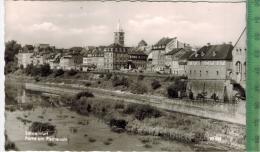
[194, 71]
[190, 71]
[240, 52]
[217, 72]
[207, 72]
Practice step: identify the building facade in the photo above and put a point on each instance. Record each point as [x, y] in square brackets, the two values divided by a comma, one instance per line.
[172, 60]
[115, 57]
[137, 60]
[239, 60]
[211, 62]
[24, 56]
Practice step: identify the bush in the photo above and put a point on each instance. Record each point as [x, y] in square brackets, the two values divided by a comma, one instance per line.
[59, 73]
[101, 76]
[84, 94]
[42, 127]
[91, 140]
[37, 79]
[156, 84]
[130, 109]
[141, 77]
[138, 88]
[120, 123]
[117, 82]
[87, 84]
[72, 72]
[108, 75]
[172, 91]
[45, 70]
[146, 111]
[119, 106]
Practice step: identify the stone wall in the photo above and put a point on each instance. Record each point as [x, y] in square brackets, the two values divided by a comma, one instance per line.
[210, 86]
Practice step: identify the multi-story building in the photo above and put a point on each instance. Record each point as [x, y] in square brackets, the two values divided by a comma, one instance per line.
[211, 62]
[159, 50]
[115, 57]
[239, 60]
[66, 62]
[119, 37]
[172, 60]
[53, 60]
[137, 60]
[183, 60]
[24, 55]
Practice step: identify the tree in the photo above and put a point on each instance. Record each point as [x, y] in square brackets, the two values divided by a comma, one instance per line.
[45, 70]
[11, 48]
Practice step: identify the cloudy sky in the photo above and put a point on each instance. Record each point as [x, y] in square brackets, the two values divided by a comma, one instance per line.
[68, 24]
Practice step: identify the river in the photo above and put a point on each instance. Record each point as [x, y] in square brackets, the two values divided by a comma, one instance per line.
[65, 119]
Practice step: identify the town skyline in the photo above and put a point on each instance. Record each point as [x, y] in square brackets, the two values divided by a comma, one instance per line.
[65, 25]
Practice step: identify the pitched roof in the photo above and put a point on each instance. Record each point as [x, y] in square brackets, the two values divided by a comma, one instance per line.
[137, 53]
[142, 43]
[164, 41]
[222, 52]
[119, 28]
[173, 51]
[186, 55]
[115, 45]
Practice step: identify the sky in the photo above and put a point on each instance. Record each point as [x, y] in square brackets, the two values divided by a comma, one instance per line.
[68, 24]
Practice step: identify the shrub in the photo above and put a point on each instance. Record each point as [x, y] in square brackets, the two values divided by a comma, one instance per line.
[156, 84]
[101, 76]
[172, 91]
[37, 79]
[42, 127]
[21, 67]
[108, 75]
[45, 70]
[107, 142]
[87, 84]
[141, 77]
[72, 72]
[120, 123]
[146, 111]
[138, 88]
[59, 73]
[91, 140]
[84, 94]
[130, 109]
[119, 106]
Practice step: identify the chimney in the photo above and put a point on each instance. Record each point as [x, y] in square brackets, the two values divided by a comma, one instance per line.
[208, 44]
[230, 42]
[224, 43]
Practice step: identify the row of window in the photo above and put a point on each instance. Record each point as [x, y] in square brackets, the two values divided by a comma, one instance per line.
[206, 62]
[116, 49]
[137, 57]
[239, 51]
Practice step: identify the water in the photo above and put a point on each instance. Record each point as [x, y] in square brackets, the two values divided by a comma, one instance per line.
[64, 120]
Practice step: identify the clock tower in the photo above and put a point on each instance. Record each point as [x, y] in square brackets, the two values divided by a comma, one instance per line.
[119, 37]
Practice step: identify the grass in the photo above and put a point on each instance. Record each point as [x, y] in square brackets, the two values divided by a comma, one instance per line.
[42, 127]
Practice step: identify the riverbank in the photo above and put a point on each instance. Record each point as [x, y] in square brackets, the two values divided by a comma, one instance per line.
[230, 137]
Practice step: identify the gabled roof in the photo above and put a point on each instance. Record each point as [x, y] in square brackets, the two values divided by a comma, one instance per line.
[164, 41]
[115, 45]
[173, 51]
[186, 55]
[222, 52]
[142, 43]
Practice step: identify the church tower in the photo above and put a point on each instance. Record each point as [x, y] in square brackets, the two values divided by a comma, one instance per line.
[119, 37]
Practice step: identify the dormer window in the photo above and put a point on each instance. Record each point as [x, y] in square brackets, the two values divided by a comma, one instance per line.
[214, 53]
[202, 53]
[196, 54]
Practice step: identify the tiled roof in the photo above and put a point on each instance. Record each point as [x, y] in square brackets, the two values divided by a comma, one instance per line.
[164, 41]
[137, 53]
[222, 52]
[142, 43]
[173, 51]
[186, 55]
[115, 45]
